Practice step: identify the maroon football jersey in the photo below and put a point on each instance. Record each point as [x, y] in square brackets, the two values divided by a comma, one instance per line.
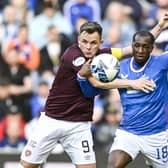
[66, 100]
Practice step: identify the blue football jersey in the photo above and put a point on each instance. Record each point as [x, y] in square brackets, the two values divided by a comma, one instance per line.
[166, 99]
[144, 113]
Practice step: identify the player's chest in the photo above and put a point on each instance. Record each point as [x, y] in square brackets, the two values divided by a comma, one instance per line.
[150, 73]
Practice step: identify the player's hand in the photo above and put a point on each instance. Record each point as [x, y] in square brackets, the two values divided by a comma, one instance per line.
[163, 22]
[85, 69]
[144, 85]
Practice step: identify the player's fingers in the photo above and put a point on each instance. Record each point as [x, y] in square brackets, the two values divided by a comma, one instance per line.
[147, 85]
[149, 88]
[149, 82]
[88, 61]
[150, 85]
[145, 90]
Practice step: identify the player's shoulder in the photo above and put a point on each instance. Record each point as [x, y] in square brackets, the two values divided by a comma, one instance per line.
[72, 52]
[104, 50]
[163, 55]
[73, 55]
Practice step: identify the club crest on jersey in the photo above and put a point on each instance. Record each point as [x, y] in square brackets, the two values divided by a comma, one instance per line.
[78, 61]
[28, 153]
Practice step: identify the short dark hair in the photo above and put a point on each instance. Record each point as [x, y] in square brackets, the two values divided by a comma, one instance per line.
[91, 27]
[144, 33]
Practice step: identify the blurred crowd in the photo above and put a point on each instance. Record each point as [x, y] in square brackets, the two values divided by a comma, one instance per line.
[33, 36]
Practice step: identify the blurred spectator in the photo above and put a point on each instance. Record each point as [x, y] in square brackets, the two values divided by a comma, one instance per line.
[52, 51]
[146, 6]
[118, 26]
[98, 110]
[5, 101]
[114, 100]
[28, 53]
[106, 127]
[134, 9]
[158, 9]
[49, 16]
[20, 82]
[32, 5]
[9, 26]
[103, 7]
[61, 4]
[23, 13]
[37, 102]
[41, 5]
[90, 9]
[3, 3]
[13, 140]
[79, 22]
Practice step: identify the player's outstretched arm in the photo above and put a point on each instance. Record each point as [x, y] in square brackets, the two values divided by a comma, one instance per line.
[141, 84]
[161, 25]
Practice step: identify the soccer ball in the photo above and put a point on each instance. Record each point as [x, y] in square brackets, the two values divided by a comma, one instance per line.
[105, 67]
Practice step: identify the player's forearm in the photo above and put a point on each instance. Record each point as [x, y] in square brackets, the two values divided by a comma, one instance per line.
[160, 26]
[140, 84]
[156, 30]
[117, 83]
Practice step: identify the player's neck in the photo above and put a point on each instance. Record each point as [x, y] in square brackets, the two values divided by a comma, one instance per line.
[136, 67]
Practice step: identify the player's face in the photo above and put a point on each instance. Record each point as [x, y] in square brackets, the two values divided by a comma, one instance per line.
[142, 48]
[89, 43]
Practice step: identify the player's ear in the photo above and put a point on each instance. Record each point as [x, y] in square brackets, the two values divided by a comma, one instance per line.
[78, 40]
[152, 47]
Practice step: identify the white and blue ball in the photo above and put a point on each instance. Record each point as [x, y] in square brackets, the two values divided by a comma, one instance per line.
[105, 67]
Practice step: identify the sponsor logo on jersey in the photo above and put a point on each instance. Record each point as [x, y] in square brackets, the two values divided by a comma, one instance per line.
[145, 76]
[32, 143]
[124, 76]
[87, 157]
